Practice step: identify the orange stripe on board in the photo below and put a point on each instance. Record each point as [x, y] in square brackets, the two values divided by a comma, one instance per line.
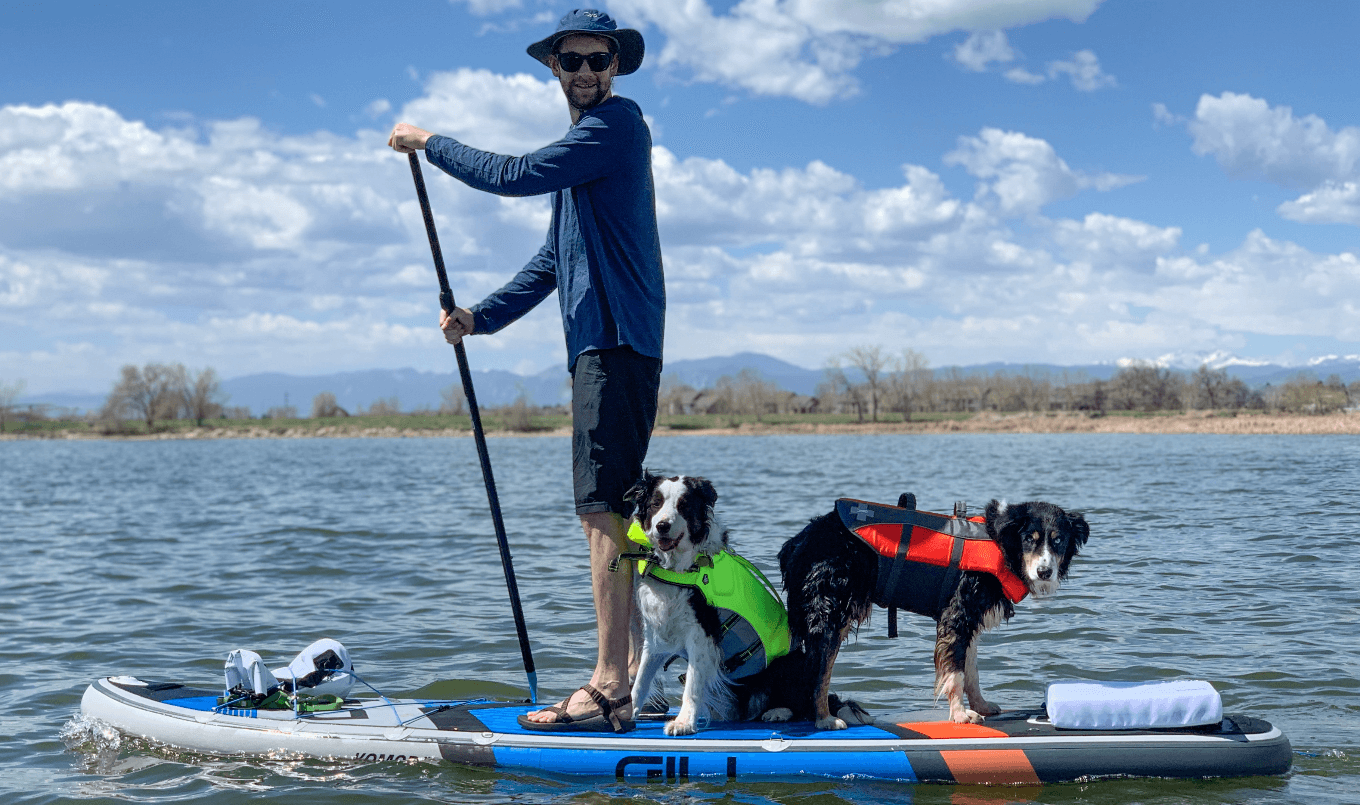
[948, 729]
[990, 766]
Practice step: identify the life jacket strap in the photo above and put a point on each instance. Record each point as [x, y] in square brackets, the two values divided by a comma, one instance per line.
[726, 626]
[739, 659]
[630, 556]
[649, 567]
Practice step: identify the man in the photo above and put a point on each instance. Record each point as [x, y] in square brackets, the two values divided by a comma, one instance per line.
[603, 256]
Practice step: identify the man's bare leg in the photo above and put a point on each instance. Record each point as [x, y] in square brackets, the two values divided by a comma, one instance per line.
[606, 533]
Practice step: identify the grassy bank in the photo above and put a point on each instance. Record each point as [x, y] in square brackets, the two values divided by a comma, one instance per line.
[498, 423]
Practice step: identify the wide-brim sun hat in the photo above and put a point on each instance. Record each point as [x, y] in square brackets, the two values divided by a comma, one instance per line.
[590, 21]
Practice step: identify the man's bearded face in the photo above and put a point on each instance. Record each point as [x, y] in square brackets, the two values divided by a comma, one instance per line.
[585, 88]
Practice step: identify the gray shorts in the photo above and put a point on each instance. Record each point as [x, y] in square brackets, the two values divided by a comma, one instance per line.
[613, 409]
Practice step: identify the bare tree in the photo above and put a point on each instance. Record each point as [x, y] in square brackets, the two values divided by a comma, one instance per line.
[907, 382]
[519, 414]
[957, 392]
[1305, 394]
[1213, 389]
[750, 393]
[1036, 389]
[452, 399]
[203, 398]
[1144, 387]
[837, 390]
[324, 405]
[9, 392]
[725, 399]
[156, 391]
[385, 407]
[1071, 388]
[870, 361]
[674, 396]
[1338, 387]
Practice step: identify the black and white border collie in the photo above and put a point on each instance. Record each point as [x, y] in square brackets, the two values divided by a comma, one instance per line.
[677, 515]
[830, 576]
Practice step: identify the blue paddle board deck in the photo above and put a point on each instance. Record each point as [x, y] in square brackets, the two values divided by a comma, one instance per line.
[1015, 747]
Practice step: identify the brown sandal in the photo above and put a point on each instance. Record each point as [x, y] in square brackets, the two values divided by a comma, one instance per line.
[605, 720]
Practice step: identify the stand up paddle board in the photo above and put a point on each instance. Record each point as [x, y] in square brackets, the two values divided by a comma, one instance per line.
[1014, 747]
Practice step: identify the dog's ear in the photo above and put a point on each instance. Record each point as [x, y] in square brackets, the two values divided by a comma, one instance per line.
[638, 491]
[999, 517]
[1080, 530]
[706, 492]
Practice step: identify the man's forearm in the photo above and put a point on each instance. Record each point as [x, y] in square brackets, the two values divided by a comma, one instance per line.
[574, 160]
[518, 296]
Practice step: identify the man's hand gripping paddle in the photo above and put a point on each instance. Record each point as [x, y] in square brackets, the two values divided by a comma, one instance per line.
[446, 302]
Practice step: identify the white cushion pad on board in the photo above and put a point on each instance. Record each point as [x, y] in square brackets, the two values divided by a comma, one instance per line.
[1133, 705]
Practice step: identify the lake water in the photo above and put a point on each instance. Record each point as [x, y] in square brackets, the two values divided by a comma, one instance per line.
[1226, 558]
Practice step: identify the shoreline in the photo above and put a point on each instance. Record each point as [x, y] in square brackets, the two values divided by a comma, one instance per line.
[1199, 422]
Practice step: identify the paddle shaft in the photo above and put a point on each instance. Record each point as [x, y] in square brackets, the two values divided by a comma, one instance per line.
[446, 302]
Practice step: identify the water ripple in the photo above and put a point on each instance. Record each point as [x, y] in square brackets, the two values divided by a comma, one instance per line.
[1223, 558]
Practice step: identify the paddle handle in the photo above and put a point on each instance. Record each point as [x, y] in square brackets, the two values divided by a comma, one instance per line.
[479, 436]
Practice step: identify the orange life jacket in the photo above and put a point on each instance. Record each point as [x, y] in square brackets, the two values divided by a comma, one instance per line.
[923, 554]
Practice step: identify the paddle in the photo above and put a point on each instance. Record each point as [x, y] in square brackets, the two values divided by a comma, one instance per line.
[446, 302]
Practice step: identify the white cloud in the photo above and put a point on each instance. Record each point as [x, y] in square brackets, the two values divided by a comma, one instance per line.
[1021, 174]
[82, 145]
[1108, 240]
[1083, 70]
[182, 235]
[267, 218]
[1331, 203]
[1251, 139]
[512, 114]
[1019, 75]
[484, 7]
[808, 49]
[981, 49]
[308, 255]
[816, 209]
[378, 108]
[1163, 116]
[1267, 286]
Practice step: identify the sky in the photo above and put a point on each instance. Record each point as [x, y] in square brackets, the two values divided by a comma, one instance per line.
[1028, 181]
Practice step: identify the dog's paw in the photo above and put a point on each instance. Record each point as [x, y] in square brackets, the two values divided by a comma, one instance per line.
[678, 727]
[984, 708]
[966, 717]
[777, 714]
[830, 723]
[852, 713]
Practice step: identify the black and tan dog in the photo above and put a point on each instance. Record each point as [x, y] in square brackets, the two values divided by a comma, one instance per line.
[966, 573]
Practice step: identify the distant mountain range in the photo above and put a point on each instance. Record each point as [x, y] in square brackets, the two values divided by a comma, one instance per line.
[414, 389]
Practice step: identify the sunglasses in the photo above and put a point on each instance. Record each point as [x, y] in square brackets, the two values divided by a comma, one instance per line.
[571, 62]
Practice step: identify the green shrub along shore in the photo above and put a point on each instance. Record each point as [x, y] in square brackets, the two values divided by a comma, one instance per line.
[511, 422]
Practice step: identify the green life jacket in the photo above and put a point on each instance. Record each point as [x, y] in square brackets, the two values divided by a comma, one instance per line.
[755, 625]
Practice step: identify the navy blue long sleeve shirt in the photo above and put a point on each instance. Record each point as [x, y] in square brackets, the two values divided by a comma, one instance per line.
[602, 254]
